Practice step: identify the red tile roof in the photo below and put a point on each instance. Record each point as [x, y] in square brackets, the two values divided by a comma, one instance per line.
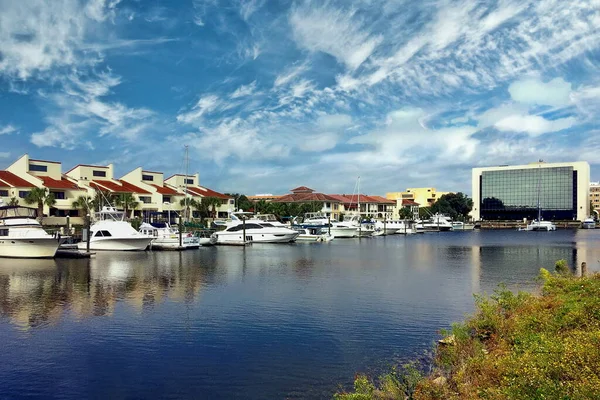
[407, 202]
[117, 186]
[302, 189]
[165, 190]
[205, 192]
[8, 179]
[380, 199]
[63, 183]
[305, 197]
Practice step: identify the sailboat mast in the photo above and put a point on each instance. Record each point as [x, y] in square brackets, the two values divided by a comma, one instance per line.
[539, 190]
[358, 201]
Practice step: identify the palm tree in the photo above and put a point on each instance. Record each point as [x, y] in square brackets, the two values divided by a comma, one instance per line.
[41, 197]
[13, 201]
[187, 203]
[212, 203]
[127, 201]
[202, 209]
[85, 204]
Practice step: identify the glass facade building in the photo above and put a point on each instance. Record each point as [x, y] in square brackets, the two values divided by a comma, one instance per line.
[515, 194]
[559, 190]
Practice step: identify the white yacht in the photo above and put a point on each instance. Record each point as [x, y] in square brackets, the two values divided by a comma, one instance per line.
[257, 231]
[22, 236]
[167, 238]
[337, 229]
[588, 223]
[270, 219]
[437, 222]
[111, 232]
[537, 225]
[391, 227]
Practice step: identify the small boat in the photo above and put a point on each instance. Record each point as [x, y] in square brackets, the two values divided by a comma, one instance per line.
[588, 223]
[437, 223]
[461, 226]
[167, 238]
[22, 236]
[337, 229]
[111, 233]
[313, 234]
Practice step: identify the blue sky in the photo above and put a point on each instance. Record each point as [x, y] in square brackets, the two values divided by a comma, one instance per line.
[270, 95]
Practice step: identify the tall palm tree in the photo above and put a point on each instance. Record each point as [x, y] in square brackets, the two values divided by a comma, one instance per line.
[13, 201]
[188, 203]
[85, 204]
[212, 204]
[40, 197]
[127, 201]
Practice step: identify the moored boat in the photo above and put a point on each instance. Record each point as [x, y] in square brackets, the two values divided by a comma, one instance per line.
[588, 223]
[167, 238]
[241, 231]
[22, 236]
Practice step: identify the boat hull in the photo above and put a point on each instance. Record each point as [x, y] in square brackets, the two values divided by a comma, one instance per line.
[28, 247]
[117, 244]
[588, 225]
[173, 244]
[339, 232]
[238, 238]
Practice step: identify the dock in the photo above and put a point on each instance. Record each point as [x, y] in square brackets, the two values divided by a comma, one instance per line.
[73, 253]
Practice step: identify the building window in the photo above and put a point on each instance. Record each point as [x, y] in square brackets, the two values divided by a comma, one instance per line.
[3, 232]
[189, 181]
[99, 173]
[23, 193]
[38, 168]
[146, 199]
[59, 195]
[3, 193]
[166, 199]
[147, 178]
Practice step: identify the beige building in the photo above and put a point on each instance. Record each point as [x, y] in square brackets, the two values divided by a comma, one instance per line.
[595, 197]
[48, 174]
[197, 192]
[559, 191]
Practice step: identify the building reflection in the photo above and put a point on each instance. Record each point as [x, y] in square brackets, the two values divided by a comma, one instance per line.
[35, 293]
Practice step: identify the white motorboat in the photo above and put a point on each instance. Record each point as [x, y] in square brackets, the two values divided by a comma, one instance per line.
[313, 234]
[337, 229]
[461, 226]
[256, 231]
[391, 227]
[537, 225]
[437, 223]
[167, 238]
[588, 223]
[110, 232]
[22, 236]
[270, 219]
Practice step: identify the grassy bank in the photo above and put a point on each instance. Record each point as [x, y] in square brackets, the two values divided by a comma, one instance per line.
[515, 346]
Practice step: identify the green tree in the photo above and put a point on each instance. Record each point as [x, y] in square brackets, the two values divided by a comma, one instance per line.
[127, 201]
[262, 207]
[40, 197]
[202, 208]
[405, 213]
[84, 203]
[188, 203]
[212, 204]
[13, 201]
[456, 205]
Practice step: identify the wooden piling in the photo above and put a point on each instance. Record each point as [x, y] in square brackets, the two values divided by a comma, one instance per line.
[583, 269]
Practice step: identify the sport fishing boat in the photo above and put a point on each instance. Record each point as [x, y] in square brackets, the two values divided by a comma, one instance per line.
[256, 231]
[112, 233]
[167, 238]
[22, 236]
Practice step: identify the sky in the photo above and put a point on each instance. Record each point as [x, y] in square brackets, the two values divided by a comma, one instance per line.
[270, 95]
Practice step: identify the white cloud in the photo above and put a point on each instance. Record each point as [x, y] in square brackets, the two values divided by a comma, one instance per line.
[5, 130]
[334, 121]
[299, 89]
[244, 90]
[4, 154]
[205, 105]
[249, 7]
[319, 142]
[338, 32]
[533, 91]
[290, 75]
[534, 125]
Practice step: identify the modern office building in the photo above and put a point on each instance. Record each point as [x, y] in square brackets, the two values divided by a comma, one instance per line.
[559, 191]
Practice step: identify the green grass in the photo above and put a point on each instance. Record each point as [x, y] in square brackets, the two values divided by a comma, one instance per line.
[515, 346]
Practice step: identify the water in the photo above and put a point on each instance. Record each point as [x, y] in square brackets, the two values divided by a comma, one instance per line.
[267, 321]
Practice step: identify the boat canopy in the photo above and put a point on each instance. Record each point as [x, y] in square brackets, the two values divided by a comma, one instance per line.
[17, 212]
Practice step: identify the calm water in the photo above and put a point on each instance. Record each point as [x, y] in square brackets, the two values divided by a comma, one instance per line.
[268, 321]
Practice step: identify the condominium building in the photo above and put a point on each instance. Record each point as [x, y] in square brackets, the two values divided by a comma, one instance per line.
[191, 183]
[594, 197]
[558, 191]
[424, 197]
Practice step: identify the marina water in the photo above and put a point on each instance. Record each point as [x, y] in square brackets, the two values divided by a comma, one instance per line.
[265, 321]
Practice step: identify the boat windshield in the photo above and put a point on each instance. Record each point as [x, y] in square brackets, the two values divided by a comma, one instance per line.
[266, 217]
[17, 212]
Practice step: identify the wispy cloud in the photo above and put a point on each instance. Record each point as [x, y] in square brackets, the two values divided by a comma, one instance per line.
[5, 130]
